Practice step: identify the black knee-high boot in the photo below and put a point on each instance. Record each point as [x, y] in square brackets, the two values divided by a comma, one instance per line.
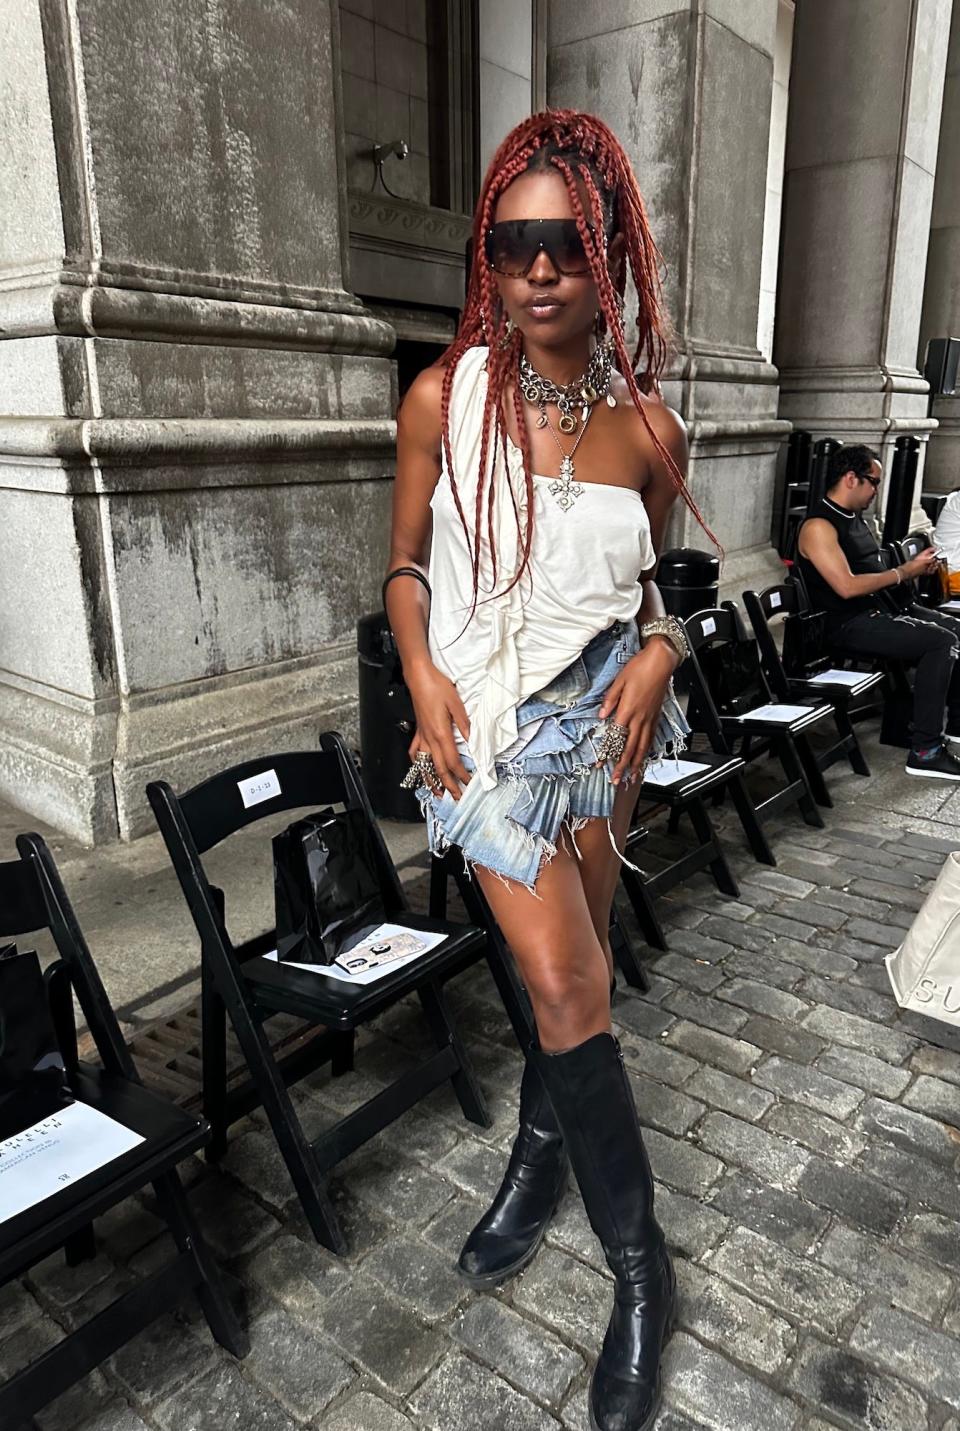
[507, 1236]
[591, 1095]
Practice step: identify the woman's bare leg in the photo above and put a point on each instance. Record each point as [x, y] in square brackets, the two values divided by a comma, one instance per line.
[554, 940]
[600, 866]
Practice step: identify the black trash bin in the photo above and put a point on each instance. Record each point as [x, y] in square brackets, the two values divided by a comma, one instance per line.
[386, 720]
[689, 580]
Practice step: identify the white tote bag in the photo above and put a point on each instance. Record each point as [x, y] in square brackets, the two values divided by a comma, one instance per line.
[925, 970]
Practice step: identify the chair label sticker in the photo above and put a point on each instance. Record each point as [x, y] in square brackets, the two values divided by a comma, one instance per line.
[708, 626]
[775, 599]
[258, 788]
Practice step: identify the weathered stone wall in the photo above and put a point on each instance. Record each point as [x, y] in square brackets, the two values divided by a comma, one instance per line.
[687, 88]
[198, 441]
[861, 154]
[941, 295]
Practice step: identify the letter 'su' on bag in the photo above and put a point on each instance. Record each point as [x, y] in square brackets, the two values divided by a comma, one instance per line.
[925, 970]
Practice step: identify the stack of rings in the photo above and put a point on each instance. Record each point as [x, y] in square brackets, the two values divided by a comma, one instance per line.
[612, 743]
[422, 772]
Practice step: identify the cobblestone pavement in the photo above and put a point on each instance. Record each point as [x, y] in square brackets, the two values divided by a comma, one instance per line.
[802, 1130]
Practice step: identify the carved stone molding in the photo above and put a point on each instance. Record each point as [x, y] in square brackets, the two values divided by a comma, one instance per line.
[85, 444]
[55, 307]
[400, 223]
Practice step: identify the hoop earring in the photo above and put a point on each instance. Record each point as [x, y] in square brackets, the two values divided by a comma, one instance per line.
[508, 335]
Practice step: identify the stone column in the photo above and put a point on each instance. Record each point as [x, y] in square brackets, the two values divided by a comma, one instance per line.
[197, 434]
[865, 96]
[687, 88]
[941, 294]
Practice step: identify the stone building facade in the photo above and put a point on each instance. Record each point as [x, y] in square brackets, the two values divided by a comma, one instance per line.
[211, 294]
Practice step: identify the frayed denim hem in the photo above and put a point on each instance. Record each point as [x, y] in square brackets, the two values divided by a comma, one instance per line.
[516, 829]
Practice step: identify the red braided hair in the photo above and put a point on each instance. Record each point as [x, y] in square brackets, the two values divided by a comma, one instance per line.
[584, 151]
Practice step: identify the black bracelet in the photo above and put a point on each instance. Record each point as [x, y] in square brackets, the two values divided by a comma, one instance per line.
[403, 571]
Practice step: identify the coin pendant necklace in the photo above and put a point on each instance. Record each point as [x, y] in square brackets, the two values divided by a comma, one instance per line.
[564, 488]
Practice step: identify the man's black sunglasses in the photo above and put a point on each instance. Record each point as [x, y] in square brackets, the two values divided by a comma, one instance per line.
[512, 247]
[874, 481]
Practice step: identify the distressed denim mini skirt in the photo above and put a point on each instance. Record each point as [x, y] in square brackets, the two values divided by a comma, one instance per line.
[548, 782]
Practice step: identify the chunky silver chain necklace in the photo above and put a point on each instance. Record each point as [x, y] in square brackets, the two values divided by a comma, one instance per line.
[582, 394]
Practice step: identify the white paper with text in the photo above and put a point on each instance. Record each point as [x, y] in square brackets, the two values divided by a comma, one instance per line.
[839, 678]
[667, 771]
[370, 976]
[783, 713]
[57, 1152]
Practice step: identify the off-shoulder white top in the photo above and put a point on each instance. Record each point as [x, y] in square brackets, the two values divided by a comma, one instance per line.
[583, 575]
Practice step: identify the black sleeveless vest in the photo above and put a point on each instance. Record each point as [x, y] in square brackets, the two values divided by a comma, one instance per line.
[862, 552]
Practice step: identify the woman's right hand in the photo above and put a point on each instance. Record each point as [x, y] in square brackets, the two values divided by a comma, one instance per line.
[438, 708]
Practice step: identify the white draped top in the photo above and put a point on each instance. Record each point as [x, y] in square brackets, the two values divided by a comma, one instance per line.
[583, 575]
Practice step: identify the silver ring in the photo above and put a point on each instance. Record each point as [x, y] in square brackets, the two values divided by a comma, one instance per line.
[612, 743]
[421, 772]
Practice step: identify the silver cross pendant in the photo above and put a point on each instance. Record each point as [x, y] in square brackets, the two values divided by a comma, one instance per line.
[564, 488]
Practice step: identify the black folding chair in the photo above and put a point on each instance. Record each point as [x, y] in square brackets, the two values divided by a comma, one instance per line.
[239, 983]
[727, 683]
[770, 607]
[32, 899]
[688, 794]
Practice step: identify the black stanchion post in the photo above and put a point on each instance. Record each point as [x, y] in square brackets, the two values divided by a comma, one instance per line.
[799, 456]
[688, 580]
[902, 480]
[791, 495]
[822, 452]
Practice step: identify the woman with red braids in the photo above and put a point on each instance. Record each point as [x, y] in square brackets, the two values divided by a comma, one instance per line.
[536, 470]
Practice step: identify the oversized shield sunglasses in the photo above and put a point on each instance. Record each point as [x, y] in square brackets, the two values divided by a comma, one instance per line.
[512, 247]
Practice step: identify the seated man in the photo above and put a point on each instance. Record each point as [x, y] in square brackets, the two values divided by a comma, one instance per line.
[841, 564]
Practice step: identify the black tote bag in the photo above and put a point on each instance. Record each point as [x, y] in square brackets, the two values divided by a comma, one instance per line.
[33, 1081]
[805, 644]
[325, 885]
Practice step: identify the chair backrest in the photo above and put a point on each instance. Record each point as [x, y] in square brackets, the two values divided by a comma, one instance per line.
[726, 671]
[911, 546]
[224, 804]
[765, 608]
[713, 626]
[32, 899]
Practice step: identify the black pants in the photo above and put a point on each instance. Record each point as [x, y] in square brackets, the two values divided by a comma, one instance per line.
[923, 638]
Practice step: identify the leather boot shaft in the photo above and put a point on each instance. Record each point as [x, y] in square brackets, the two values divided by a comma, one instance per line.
[508, 1235]
[590, 1091]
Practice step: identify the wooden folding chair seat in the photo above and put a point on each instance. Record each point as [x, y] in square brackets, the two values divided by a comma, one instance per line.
[778, 603]
[32, 898]
[239, 983]
[727, 684]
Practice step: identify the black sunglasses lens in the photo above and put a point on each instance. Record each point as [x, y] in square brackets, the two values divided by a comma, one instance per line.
[509, 250]
[568, 251]
[512, 246]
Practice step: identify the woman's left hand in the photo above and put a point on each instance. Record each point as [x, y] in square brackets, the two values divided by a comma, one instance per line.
[635, 700]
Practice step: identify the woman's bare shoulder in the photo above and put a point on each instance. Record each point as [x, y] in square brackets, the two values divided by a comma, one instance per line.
[667, 424]
[419, 417]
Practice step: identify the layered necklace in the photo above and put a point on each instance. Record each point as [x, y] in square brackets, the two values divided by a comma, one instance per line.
[581, 394]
